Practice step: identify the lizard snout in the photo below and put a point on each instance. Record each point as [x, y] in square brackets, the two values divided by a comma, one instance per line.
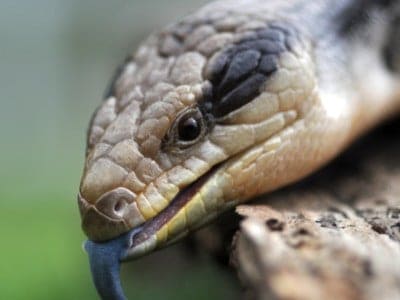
[113, 213]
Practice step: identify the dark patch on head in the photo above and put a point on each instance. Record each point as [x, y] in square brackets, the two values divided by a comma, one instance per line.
[358, 13]
[239, 72]
[241, 66]
[110, 91]
[242, 94]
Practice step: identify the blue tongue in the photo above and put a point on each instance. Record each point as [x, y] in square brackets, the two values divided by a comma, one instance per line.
[105, 261]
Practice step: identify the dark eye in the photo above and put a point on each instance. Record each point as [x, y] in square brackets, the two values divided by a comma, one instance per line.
[189, 128]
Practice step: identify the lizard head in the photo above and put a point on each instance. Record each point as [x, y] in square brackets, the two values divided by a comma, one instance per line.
[195, 114]
[213, 111]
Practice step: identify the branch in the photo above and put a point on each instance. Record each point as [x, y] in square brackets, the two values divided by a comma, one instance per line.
[334, 236]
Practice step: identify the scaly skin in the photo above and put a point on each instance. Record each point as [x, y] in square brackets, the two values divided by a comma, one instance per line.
[280, 88]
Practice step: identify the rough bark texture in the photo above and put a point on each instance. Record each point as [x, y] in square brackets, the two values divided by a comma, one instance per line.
[333, 236]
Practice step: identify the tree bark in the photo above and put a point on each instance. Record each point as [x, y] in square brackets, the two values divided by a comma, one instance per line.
[333, 236]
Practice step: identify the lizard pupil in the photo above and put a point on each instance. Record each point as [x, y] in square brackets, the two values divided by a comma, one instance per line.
[189, 129]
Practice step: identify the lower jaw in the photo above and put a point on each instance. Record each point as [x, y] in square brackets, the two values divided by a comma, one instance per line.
[167, 227]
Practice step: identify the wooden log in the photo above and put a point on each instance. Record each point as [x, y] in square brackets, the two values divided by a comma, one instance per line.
[333, 236]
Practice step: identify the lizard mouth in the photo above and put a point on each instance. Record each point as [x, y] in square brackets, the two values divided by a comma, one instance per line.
[144, 237]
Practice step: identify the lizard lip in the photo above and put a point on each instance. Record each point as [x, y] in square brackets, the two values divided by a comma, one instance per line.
[143, 238]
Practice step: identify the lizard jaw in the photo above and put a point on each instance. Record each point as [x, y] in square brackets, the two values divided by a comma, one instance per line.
[146, 237]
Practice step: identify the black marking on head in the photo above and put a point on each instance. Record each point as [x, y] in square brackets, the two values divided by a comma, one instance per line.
[242, 64]
[110, 91]
[245, 92]
[239, 72]
[358, 13]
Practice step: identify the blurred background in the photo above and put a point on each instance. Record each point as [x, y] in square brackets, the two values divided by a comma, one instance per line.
[56, 57]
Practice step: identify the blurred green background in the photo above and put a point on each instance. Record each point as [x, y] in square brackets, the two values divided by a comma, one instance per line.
[56, 57]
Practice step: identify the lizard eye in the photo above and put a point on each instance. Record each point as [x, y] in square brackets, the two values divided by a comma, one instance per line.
[188, 128]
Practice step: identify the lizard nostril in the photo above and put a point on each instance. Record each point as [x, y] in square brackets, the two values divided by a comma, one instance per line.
[119, 207]
[114, 213]
[114, 204]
